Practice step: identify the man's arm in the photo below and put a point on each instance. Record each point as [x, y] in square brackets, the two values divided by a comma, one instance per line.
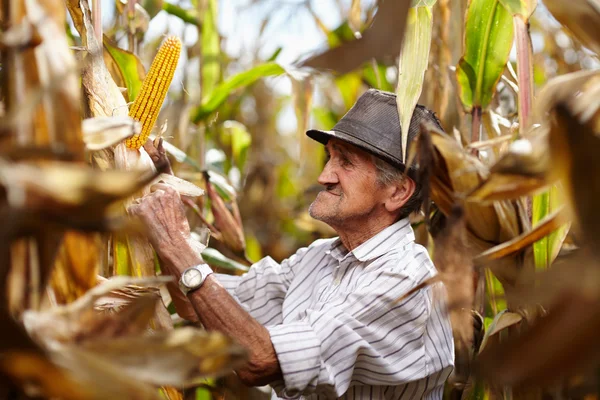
[168, 231]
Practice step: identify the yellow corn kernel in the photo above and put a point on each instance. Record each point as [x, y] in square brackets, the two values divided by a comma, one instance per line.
[154, 89]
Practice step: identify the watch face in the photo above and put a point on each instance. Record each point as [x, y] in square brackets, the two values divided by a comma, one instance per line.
[191, 278]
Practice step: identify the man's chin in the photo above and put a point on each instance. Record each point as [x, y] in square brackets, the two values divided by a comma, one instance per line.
[315, 211]
[320, 213]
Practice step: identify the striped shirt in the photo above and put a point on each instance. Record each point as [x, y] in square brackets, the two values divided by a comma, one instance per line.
[337, 327]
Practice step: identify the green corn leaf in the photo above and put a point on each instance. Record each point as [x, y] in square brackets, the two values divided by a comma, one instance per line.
[546, 249]
[540, 208]
[374, 75]
[423, 3]
[190, 16]
[488, 41]
[211, 49]
[123, 263]
[127, 66]
[217, 97]
[240, 139]
[556, 238]
[524, 8]
[349, 86]
[216, 258]
[413, 64]
[153, 7]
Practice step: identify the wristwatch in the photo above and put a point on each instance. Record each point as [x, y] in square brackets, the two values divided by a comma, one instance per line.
[193, 277]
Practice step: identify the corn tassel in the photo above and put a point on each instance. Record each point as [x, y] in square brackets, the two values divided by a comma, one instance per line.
[154, 90]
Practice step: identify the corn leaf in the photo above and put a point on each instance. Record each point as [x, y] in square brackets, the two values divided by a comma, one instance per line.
[488, 41]
[414, 59]
[125, 67]
[211, 49]
[102, 94]
[375, 75]
[213, 100]
[152, 7]
[236, 135]
[215, 258]
[550, 350]
[523, 8]
[549, 224]
[103, 132]
[503, 320]
[354, 17]
[349, 86]
[178, 358]
[540, 208]
[573, 149]
[499, 186]
[76, 266]
[382, 39]
[186, 15]
[581, 17]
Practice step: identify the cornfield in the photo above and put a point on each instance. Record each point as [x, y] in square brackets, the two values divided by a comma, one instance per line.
[85, 131]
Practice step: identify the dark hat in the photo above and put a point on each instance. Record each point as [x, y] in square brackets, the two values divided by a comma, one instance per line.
[373, 125]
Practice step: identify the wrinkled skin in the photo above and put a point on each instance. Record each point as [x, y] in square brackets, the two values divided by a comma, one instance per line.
[352, 202]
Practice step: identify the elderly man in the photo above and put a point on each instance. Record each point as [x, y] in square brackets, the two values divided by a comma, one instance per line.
[327, 323]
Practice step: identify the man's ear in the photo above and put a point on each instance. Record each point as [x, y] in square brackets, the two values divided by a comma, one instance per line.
[399, 194]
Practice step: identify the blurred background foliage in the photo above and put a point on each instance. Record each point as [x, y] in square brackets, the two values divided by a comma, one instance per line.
[512, 224]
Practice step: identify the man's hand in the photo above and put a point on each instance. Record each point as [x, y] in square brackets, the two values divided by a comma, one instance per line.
[163, 213]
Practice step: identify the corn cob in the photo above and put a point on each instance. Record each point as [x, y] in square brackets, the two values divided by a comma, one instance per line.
[147, 104]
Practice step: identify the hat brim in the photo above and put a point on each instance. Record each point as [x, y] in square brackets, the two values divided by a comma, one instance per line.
[324, 136]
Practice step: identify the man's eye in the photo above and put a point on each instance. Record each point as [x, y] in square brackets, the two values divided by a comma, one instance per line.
[346, 162]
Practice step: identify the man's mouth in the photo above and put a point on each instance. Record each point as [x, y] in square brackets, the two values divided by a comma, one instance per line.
[332, 190]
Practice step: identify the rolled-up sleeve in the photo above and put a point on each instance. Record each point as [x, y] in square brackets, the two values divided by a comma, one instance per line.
[362, 336]
[262, 289]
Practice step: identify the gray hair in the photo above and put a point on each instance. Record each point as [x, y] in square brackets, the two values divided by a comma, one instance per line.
[387, 174]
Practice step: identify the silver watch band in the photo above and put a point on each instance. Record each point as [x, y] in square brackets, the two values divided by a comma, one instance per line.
[193, 278]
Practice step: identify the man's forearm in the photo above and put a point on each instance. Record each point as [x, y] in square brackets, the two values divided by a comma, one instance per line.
[218, 311]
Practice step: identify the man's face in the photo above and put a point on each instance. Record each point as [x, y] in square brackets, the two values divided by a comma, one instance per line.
[351, 192]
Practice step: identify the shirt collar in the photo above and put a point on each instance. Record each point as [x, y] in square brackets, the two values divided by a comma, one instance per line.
[391, 237]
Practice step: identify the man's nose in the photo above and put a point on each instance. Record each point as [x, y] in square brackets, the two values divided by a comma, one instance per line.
[328, 175]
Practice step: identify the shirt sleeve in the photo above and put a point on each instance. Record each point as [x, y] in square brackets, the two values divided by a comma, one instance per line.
[262, 289]
[363, 336]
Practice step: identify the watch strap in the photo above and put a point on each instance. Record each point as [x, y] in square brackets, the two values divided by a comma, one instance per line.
[204, 270]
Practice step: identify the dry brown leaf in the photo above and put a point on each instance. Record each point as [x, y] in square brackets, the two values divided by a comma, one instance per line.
[454, 174]
[581, 17]
[73, 321]
[522, 170]
[579, 90]
[183, 187]
[382, 39]
[506, 187]
[557, 346]
[61, 184]
[574, 147]
[546, 226]
[36, 374]
[452, 259]
[101, 377]
[41, 89]
[228, 224]
[103, 132]
[104, 99]
[177, 358]
[76, 266]
[502, 321]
